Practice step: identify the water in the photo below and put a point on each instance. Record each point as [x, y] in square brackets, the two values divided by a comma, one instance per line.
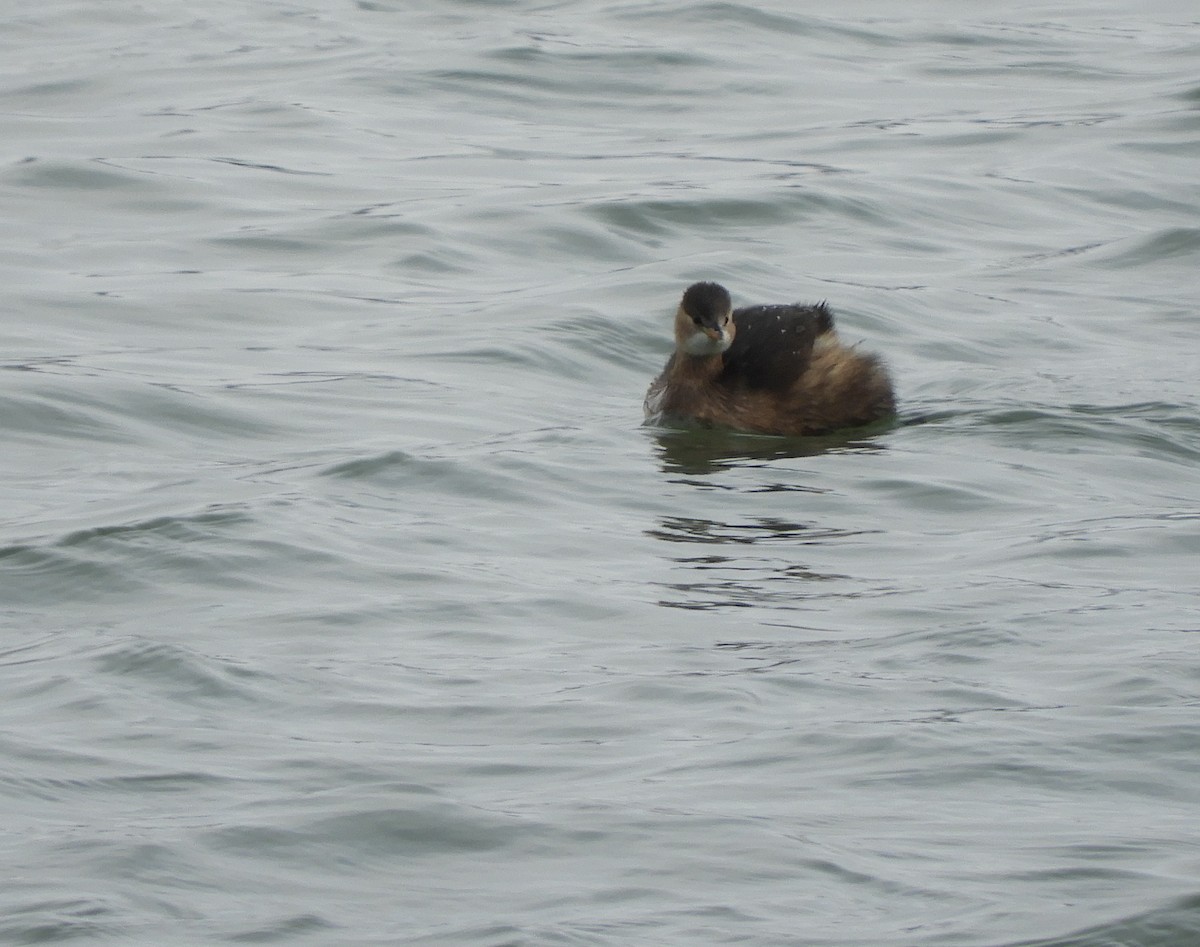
[346, 600]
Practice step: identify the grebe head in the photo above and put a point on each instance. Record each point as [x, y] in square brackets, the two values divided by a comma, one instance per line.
[704, 322]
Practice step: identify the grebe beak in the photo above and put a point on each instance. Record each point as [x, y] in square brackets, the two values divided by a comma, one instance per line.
[716, 333]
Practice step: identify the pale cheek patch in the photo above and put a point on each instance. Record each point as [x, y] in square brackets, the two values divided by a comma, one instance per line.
[700, 344]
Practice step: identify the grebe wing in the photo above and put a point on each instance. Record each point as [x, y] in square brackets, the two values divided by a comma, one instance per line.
[772, 345]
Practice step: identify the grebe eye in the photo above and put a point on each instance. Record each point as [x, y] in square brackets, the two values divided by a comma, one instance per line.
[696, 319]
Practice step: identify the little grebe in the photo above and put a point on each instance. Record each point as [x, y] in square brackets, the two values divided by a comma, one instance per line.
[766, 369]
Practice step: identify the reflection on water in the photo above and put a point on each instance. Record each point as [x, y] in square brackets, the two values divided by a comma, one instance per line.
[771, 578]
[680, 529]
[762, 558]
[699, 451]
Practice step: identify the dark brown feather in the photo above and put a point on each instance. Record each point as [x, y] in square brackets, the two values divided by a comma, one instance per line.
[772, 345]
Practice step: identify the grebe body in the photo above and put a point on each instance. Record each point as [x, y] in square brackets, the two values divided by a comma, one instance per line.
[766, 369]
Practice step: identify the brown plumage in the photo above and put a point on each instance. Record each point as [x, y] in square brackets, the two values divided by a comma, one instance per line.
[766, 369]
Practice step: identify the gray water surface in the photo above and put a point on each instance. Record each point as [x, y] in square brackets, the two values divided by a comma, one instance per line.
[346, 600]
